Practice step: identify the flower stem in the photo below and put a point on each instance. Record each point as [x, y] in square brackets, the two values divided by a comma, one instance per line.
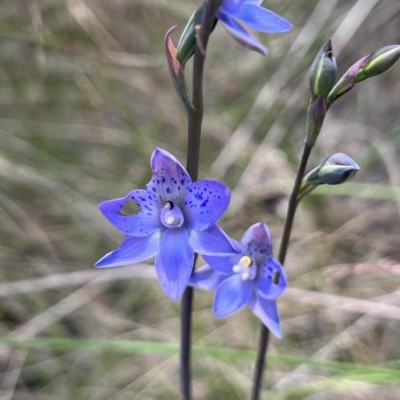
[195, 119]
[292, 206]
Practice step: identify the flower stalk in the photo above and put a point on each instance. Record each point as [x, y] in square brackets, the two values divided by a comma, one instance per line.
[292, 207]
[195, 119]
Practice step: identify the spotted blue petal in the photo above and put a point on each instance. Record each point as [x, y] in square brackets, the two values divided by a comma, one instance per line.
[267, 286]
[257, 242]
[170, 179]
[205, 202]
[141, 224]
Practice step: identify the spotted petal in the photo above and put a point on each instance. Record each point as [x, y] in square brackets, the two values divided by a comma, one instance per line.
[265, 283]
[144, 223]
[174, 262]
[257, 242]
[206, 278]
[213, 241]
[240, 34]
[232, 294]
[170, 179]
[205, 203]
[262, 19]
[132, 250]
[267, 311]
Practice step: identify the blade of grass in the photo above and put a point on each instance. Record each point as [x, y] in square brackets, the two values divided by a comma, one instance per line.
[236, 355]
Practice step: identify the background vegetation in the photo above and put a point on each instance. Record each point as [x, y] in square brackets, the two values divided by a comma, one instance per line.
[85, 97]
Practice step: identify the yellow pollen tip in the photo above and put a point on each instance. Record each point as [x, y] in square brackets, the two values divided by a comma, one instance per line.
[246, 261]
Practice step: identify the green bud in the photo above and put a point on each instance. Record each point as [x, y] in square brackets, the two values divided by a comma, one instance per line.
[379, 62]
[323, 72]
[315, 119]
[311, 179]
[337, 168]
[187, 42]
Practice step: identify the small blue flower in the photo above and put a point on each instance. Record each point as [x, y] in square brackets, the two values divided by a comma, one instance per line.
[177, 219]
[253, 15]
[251, 277]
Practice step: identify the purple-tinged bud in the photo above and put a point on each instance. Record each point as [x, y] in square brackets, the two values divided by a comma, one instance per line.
[337, 168]
[315, 119]
[379, 62]
[323, 72]
[347, 81]
[187, 42]
[370, 65]
[177, 73]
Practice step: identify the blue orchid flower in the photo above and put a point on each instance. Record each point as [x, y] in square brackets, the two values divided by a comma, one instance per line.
[177, 219]
[252, 277]
[250, 13]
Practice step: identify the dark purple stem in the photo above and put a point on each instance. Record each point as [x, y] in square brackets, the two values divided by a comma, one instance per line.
[195, 119]
[264, 334]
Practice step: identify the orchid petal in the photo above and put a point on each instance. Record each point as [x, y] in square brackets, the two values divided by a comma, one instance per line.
[223, 264]
[231, 6]
[212, 241]
[170, 179]
[256, 2]
[231, 295]
[174, 262]
[267, 311]
[205, 202]
[265, 283]
[240, 34]
[262, 19]
[257, 242]
[206, 278]
[132, 250]
[141, 224]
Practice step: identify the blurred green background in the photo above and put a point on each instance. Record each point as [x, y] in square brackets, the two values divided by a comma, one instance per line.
[85, 96]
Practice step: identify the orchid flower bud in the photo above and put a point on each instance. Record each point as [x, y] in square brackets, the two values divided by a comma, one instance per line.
[311, 179]
[323, 72]
[337, 168]
[177, 73]
[347, 81]
[187, 41]
[370, 65]
[315, 119]
[379, 62]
